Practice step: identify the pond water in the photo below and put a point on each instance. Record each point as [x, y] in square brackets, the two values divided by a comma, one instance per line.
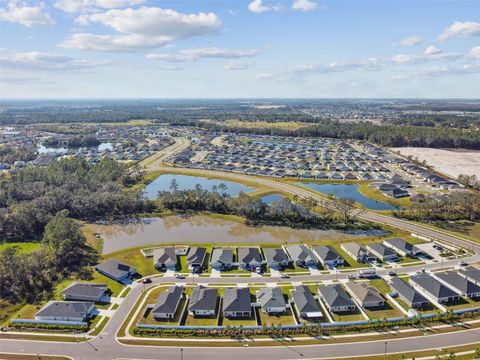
[105, 146]
[187, 182]
[44, 150]
[271, 198]
[207, 230]
[349, 191]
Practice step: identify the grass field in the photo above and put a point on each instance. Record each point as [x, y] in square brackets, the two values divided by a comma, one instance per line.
[280, 319]
[22, 247]
[347, 316]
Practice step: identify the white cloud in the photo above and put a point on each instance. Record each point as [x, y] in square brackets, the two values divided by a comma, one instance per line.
[143, 28]
[29, 16]
[411, 41]
[41, 61]
[257, 7]
[460, 29]
[464, 69]
[407, 59]
[475, 53]
[432, 50]
[189, 55]
[75, 6]
[235, 65]
[304, 5]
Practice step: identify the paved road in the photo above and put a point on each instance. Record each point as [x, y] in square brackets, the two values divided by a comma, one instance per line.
[105, 345]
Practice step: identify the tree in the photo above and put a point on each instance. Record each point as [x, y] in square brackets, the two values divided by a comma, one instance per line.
[67, 244]
[345, 207]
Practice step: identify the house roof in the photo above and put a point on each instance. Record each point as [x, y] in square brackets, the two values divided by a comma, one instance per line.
[433, 286]
[401, 244]
[165, 256]
[364, 292]
[236, 299]
[326, 253]
[301, 252]
[271, 297]
[304, 300]
[335, 295]
[71, 309]
[459, 282]
[381, 249]
[407, 291]
[471, 272]
[275, 255]
[203, 299]
[247, 255]
[168, 300]
[85, 289]
[196, 255]
[355, 249]
[224, 256]
[114, 268]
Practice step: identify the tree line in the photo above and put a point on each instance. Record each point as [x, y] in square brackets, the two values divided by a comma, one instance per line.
[10, 154]
[72, 141]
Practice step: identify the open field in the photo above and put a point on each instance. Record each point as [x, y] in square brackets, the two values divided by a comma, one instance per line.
[448, 162]
[22, 247]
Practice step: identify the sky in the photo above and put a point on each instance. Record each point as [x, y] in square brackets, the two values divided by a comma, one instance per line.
[239, 49]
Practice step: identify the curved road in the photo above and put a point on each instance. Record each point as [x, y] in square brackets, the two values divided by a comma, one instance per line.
[105, 346]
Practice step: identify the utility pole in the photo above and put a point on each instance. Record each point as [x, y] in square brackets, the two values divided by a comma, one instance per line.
[181, 353]
[385, 349]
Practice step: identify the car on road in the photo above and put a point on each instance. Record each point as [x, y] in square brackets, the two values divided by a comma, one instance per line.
[146, 281]
[462, 263]
[351, 276]
[392, 273]
[179, 276]
[285, 276]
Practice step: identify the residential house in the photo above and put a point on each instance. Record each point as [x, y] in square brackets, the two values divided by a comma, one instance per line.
[116, 270]
[328, 256]
[84, 292]
[237, 303]
[402, 247]
[165, 259]
[358, 252]
[382, 252]
[471, 273]
[196, 258]
[75, 311]
[302, 255]
[397, 193]
[203, 301]
[336, 298]
[167, 303]
[276, 258]
[271, 300]
[249, 258]
[408, 294]
[460, 284]
[305, 303]
[431, 288]
[221, 259]
[365, 295]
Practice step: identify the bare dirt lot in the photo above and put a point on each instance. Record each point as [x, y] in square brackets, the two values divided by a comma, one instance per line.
[449, 162]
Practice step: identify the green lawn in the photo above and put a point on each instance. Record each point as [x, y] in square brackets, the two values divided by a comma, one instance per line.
[281, 319]
[22, 247]
[148, 317]
[201, 321]
[389, 310]
[463, 303]
[27, 312]
[223, 321]
[100, 327]
[347, 316]
[113, 285]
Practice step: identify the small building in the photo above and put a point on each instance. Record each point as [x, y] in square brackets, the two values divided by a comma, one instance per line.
[336, 298]
[84, 292]
[431, 288]
[116, 270]
[196, 258]
[276, 258]
[460, 284]
[408, 294]
[328, 256]
[221, 259]
[397, 193]
[165, 259]
[271, 300]
[302, 255]
[358, 252]
[471, 273]
[75, 311]
[249, 258]
[167, 303]
[402, 247]
[367, 296]
[237, 303]
[305, 303]
[382, 252]
[203, 301]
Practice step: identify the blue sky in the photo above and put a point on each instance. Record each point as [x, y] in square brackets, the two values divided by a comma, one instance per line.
[254, 48]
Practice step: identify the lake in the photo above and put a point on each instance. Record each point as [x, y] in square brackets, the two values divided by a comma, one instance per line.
[349, 191]
[188, 182]
[207, 230]
[271, 198]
